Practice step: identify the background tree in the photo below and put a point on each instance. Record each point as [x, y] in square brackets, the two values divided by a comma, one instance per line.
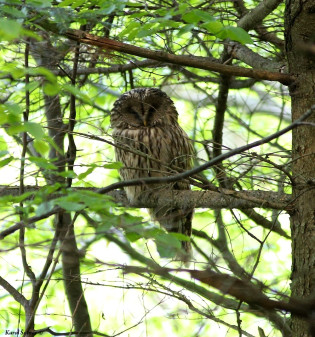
[228, 67]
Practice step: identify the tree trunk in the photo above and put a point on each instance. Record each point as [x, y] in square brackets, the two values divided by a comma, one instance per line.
[300, 38]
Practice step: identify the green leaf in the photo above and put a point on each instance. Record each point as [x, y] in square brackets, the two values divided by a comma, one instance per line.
[65, 3]
[3, 153]
[44, 72]
[35, 130]
[51, 89]
[238, 34]
[3, 117]
[77, 3]
[68, 174]
[133, 236]
[42, 163]
[86, 173]
[13, 109]
[204, 16]
[3, 146]
[5, 161]
[77, 93]
[40, 3]
[69, 205]
[180, 236]
[103, 228]
[213, 27]
[13, 11]
[9, 29]
[196, 15]
[44, 207]
[29, 33]
[185, 29]
[114, 166]
[41, 146]
[14, 129]
[191, 17]
[15, 199]
[108, 9]
[94, 201]
[167, 245]
[32, 86]
[132, 27]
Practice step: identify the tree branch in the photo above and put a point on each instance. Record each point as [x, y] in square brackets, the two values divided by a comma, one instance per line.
[211, 163]
[11, 290]
[185, 60]
[251, 19]
[240, 289]
[253, 59]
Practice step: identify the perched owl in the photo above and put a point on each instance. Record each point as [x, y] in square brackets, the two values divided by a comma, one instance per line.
[145, 119]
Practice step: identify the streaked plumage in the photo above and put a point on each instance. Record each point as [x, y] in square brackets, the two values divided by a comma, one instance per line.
[145, 120]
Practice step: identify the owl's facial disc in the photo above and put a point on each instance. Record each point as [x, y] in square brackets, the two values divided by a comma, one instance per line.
[140, 113]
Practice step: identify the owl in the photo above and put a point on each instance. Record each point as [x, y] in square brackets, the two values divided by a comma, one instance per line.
[145, 120]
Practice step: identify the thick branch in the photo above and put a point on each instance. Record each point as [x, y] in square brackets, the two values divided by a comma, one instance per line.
[190, 61]
[184, 60]
[197, 199]
[181, 199]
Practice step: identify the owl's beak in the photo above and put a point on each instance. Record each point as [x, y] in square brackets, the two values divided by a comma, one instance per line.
[145, 123]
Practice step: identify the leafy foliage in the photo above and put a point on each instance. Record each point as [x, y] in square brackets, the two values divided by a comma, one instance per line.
[56, 92]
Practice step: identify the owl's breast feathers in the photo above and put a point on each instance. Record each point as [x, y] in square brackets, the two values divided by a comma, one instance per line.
[153, 148]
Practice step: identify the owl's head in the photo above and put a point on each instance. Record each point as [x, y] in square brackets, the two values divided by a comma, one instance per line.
[143, 107]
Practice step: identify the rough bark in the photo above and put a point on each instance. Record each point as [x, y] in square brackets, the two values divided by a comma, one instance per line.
[300, 23]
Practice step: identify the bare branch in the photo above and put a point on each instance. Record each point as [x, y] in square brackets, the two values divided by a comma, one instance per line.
[256, 15]
[11, 290]
[253, 59]
[212, 162]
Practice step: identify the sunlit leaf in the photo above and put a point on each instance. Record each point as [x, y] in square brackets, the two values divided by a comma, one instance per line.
[41, 146]
[86, 173]
[213, 27]
[114, 166]
[35, 130]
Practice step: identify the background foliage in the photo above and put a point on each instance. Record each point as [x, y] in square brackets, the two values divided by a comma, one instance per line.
[42, 72]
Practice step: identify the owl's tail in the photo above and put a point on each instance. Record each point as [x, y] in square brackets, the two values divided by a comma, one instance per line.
[176, 220]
